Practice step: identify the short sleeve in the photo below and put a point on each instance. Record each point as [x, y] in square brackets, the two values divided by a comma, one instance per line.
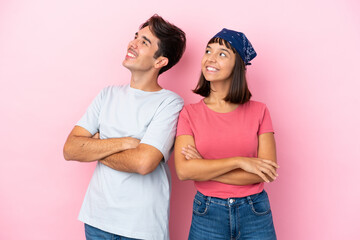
[90, 120]
[265, 122]
[184, 127]
[162, 129]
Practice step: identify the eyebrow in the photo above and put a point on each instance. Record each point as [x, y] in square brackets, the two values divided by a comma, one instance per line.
[223, 49]
[146, 39]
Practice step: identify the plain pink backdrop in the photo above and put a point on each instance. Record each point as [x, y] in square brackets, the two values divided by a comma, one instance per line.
[55, 56]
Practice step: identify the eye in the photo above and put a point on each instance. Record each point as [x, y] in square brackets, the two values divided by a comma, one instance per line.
[207, 51]
[144, 42]
[222, 54]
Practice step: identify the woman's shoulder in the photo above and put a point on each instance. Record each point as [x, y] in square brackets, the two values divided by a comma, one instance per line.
[255, 108]
[255, 104]
[194, 106]
[192, 109]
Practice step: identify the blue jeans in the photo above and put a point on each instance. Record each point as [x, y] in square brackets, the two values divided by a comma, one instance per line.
[93, 233]
[232, 219]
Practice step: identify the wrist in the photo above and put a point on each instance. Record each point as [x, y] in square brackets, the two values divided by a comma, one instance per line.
[126, 142]
[240, 162]
[129, 143]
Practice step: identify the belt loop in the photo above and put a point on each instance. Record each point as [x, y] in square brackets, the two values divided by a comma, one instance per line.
[208, 200]
[249, 200]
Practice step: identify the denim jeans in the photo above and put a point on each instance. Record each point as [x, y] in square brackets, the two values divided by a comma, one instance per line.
[232, 219]
[93, 233]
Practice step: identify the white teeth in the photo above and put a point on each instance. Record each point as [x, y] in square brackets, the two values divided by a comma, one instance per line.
[130, 55]
[211, 69]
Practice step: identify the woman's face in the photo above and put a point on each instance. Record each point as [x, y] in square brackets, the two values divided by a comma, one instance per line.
[218, 63]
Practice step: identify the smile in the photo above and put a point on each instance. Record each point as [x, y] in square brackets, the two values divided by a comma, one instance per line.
[211, 69]
[131, 53]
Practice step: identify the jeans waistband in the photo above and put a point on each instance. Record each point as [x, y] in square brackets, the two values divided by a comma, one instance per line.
[230, 201]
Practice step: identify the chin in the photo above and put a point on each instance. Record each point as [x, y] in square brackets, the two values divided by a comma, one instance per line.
[125, 64]
[211, 78]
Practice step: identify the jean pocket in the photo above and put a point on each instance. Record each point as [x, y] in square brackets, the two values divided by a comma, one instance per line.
[260, 204]
[200, 206]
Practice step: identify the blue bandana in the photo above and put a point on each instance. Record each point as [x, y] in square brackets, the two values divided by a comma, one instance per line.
[239, 41]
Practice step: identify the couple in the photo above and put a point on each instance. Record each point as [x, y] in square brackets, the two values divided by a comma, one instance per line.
[224, 143]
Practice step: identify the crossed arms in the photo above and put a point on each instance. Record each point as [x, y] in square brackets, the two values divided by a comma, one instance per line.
[235, 170]
[123, 154]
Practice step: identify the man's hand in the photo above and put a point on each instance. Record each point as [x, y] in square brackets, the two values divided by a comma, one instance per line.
[130, 143]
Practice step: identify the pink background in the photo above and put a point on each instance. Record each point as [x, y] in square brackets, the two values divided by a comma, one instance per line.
[55, 56]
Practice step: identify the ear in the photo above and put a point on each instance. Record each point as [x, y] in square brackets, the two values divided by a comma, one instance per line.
[161, 62]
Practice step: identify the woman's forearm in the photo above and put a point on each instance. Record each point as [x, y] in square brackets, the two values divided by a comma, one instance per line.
[239, 177]
[204, 169]
[190, 165]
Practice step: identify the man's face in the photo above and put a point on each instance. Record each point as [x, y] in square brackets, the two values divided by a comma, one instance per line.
[141, 51]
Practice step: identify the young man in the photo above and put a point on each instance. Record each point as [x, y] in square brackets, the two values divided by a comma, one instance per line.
[128, 195]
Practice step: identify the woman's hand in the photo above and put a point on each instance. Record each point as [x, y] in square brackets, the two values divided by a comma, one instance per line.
[263, 168]
[190, 152]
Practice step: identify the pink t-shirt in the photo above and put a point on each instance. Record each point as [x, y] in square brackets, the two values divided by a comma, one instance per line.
[223, 135]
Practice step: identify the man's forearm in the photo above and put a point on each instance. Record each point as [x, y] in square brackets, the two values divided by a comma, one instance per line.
[125, 161]
[85, 149]
[143, 160]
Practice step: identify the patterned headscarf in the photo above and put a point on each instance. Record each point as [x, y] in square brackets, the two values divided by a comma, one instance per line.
[239, 41]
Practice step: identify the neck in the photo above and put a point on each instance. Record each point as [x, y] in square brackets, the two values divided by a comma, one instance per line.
[145, 81]
[219, 90]
[215, 100]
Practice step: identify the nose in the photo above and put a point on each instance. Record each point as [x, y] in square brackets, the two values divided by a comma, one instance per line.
[133, 43]
[211, 58]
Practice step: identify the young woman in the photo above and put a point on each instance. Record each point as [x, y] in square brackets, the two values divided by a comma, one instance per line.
[225, 143]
